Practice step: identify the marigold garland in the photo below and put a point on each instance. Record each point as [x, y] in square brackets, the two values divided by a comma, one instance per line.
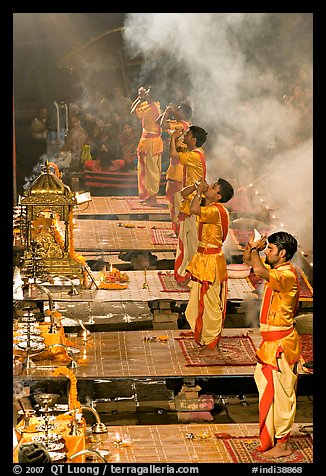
[55, 314]
[57, 172]
[56, 232]
[72, 253]
[72, 397]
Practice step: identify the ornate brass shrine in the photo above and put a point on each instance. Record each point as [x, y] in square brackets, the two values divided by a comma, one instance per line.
[49, 246]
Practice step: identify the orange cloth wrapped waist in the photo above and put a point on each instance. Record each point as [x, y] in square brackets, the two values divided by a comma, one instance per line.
[149, 135]
[276, 335]
[208, 251]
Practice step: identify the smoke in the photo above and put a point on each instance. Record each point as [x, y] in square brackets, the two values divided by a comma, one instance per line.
[20, 390]
[289, 186]
[235, 69]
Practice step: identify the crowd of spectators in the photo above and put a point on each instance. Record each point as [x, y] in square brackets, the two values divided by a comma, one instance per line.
[112, 133]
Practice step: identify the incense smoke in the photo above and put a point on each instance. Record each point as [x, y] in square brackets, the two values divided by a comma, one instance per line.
[235, 68]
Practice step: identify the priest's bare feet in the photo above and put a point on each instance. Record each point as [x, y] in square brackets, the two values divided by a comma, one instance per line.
[207, 351]
[279, 450]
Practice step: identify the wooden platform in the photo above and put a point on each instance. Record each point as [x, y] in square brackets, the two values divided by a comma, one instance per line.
[238, 290]
[112, 235]
[171, 443]
[131, 358]
[115, 235]
[122, 207]
[131, 355]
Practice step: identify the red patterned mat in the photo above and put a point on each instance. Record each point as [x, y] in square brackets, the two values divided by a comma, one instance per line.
[137, 205]
[306, 291]
[160, 236]
[243, 449]
[307, 347]
[307, 354]
[231, 351]
[170, 285]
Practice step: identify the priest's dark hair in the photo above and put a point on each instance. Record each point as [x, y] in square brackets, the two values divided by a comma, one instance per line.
[226, 190]
[199, 134]
[284, 240]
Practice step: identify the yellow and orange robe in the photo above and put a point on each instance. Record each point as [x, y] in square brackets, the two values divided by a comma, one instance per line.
[149, 150]
[277, 355]
[174, 180]
[206, 308]
[194, 169]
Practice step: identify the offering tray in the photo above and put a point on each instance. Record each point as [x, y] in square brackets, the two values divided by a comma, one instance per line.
[112, 279]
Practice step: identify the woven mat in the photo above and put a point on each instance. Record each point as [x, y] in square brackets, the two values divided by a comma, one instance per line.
[160, 236]
[243, 449]
[307, 354]
[306, 291]
[170, 285]
[115, 235]
[231, 351]
[137, 205]
[115, 205]
[307, 347]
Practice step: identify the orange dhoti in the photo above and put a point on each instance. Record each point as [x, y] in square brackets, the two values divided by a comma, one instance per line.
[277, 401]
[149, 154]
[186, 247]
[205, 311]
[174, 199]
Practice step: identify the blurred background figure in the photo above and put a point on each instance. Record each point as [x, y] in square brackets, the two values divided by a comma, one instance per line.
[121, 103]
[173, 118]
[128, 139]
[150, 146]
[75, 140]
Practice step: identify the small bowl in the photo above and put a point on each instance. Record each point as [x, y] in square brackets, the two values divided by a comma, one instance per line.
[236, 271]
